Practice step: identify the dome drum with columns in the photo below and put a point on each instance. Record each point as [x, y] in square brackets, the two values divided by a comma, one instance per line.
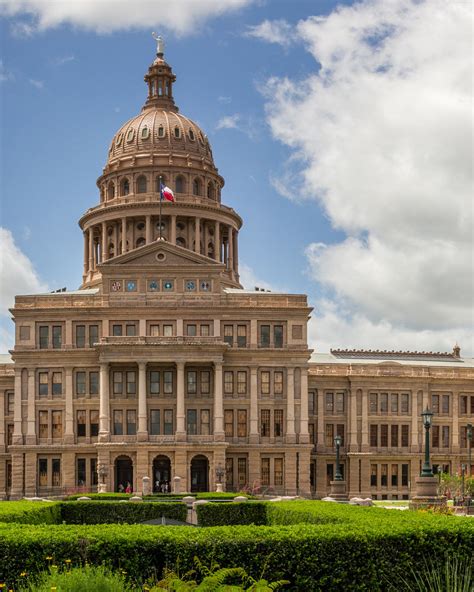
[160, 143]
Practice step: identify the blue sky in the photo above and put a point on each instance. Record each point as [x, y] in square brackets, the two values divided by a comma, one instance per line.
[267, 83]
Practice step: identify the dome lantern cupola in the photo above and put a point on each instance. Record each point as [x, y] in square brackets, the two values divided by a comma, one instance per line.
[160, 80]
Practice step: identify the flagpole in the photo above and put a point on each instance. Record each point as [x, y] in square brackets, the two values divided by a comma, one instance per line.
[161, 199]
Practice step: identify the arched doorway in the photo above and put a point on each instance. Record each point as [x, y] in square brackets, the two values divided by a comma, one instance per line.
[161, 474]
[199, 473]
[123, 473]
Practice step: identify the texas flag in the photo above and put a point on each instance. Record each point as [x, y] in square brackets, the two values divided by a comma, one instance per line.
[166, 193]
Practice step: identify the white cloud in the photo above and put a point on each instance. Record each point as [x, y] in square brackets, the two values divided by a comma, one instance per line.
[107, 16]
[39, 84]
[224, 99]
[247, 124]
[381, 135]
[278, 31]
[60, 61]
[228, 122]
[249, 279]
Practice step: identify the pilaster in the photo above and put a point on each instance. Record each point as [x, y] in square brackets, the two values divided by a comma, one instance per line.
[142, 434]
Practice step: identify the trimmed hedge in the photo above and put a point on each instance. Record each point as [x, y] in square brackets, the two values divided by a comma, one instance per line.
[115, 496]
[106, 512]
[25, 512]
[357, 549]
[233, 513]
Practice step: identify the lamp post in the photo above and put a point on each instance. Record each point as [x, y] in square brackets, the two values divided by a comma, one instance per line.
[338, 475]
[427, 416]
[469, 448]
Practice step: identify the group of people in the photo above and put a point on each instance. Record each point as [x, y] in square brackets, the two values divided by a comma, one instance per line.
[162, 487]
[125, 489]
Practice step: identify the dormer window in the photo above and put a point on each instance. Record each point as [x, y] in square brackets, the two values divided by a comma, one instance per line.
[118, 139]
[161, 132]
[177, 132]
[130, 135]
[145, 133]
[191, 135]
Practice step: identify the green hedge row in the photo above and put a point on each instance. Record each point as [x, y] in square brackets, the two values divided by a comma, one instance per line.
[115, 496]
[233, 513]
[25, 512]
[116, 512]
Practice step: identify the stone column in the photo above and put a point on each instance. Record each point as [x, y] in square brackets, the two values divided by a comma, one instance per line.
[180, 413]
[218, 403]
[236, 252]
[230, 242]
[173, 230]
[217, 241]
[206, 236]
[320, 442]
[304, 433]
[31, 422]
[197, 235]
[17, 418]
[124, 235]
[254, 432]
[104, 250]
[142, 434]
[148, 229]
[352, 403]
[365, 420]
[290, 406]
[91, 249]
[86, 251]
[104, 404]
[116, 239]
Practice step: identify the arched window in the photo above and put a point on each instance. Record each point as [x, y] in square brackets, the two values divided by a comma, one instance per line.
[196, 187]
[141, 184]
[181, 242]
[180, 184]
[161, 132]
[130, 135]
[191, 135]
[111, 191]
[153, 88]
[160, 88]
[211, 190]
[125, 187]
[140, 242]
[141, 226]
[145, 133]
[177, 132]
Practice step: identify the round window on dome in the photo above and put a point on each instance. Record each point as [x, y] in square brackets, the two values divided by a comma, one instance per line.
[130, 135]
[145, 133]
[161, 132]
[118, 139]
[191, 135]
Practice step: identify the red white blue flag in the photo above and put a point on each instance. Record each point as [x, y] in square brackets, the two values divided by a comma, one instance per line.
[166, 193]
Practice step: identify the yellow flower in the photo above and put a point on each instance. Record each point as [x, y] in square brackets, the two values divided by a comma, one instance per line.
[2, 585]
[23, 574]
[48, 558]
[67, 561]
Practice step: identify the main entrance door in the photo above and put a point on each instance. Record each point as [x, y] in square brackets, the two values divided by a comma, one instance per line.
[161, 474]
[123, 473]
[199, 473]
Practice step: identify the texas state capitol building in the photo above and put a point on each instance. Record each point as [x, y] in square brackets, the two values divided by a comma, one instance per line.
[161, 365]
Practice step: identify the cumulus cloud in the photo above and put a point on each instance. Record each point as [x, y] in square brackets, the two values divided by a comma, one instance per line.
[107, 16]
[277, 31]
[381, 135]
[250, 280]
[228, 122]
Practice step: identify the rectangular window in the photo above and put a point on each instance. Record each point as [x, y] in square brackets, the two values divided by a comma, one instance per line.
[10, 403]
[154, 330]
[168, 422]
[373, 435]
[373, 399]
[329, 473]
[435, 436]
[264, 335]
[278, 335]
[445, 404]
[131, 382]
[130, 330]
[43, 424]
[229, 423]
[93, 335]
[373, 475]
[404, 403]
[329, 435]
[94, 476]
[384, 475]
[205, 385]
[57, 336]
[265, 382]
[191, 330]
[131, 422]
[191, 382]
[154, 422]
[405, 475]
[154, 382]
[94, 423]
[265, 471]
[205, 330]
[242, 382]
[394, 475]
[56, 465]
[44, 337]
[312, 435]
[57, 384]
[242, 471]
[435, 403]
[81, 337]
[383, 402]
[278, 423]
[43, 472]
[339, 402]
[43, 384]
[241, 336]
[81, 472]
[384, 435]
[118, 383]
[167, 330]
[168, 382]
[278, 471]
[57, 420]
[118, 422]
[117, 330]
[229, 334]
[265, 423]
[242, 423]
[405, 434]
[330, 403]
[191, 422]
[278, 382]
[81, 423]
[394, 436]
[445, 436]
[80, 383]
[228, 382]
[229, 473]
[93, 383]
[463, 405]
[205, 422]
[394, 403]
[340, 432]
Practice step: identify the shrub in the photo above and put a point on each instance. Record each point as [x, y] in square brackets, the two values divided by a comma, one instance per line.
[113, 512]
[26, 512]
[232, 513]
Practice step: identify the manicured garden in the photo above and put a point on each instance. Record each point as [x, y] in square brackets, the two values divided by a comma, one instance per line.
[314, 545]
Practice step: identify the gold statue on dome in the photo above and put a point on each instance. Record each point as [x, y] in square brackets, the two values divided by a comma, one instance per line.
[160, 44]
